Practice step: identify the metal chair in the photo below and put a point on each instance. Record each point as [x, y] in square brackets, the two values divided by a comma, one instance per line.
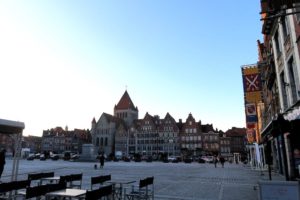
[66, 179]
[138, 192]
[76, 181]
[99, 180]
[12, 188]
[105, 191]
[36, 191]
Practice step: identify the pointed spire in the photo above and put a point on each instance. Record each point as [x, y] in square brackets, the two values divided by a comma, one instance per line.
[125, 102]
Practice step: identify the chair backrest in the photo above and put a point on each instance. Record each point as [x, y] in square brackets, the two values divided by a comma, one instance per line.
[143, 183]
[150, 180]
[99, 180]
[36, 191]
[76, 177]
[35, 176]
[107, 177]
[99, 193]
[47, 174]
[21, 184]
[76, 180]
[65, 179]
[6, 187]
[14, 185]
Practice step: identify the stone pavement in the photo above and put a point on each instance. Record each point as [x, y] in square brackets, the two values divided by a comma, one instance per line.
[178, 181]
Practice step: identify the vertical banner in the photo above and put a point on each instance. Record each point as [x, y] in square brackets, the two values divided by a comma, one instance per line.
[252, 96]
[250, 135]
[252, 84]
[251, 115]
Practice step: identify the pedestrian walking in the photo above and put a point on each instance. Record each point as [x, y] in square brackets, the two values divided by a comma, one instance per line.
[215, 160]
[101, 158]
[2, 161]
[222, 161]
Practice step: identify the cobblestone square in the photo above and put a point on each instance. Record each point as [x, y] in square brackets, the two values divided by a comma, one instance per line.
[179, 181]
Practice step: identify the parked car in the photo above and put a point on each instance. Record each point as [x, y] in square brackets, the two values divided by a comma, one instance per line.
[74, 156]
[208, 159]
[171, 158]
[42, 157]
[31, 157]
[54, 157]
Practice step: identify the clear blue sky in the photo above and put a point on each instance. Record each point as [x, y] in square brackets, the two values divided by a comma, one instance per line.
[65, 62]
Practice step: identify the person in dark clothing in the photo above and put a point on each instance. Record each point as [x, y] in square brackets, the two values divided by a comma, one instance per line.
[101, 158]
[222, 161]
[2, 161]
[215, 160]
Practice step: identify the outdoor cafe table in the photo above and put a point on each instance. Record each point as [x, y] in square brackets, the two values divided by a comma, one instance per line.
[66, 193]
[118, 191]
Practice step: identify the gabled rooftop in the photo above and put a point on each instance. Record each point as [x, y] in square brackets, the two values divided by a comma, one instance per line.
[125, 103]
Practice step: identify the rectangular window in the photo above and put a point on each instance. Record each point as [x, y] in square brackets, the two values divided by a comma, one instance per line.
[277, 44]
[285, 27]
[292, 82]
[284, 84]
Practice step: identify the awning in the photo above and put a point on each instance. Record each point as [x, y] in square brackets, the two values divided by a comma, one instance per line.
[275, 127]
[13, 127]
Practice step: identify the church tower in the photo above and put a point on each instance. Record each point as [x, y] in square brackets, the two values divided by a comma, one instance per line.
[126, 110]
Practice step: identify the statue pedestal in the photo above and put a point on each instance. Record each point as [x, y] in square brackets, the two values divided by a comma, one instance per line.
[88, 153]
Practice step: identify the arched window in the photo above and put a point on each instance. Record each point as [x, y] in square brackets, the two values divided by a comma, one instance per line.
[101, 142]
[105, 142]
[97, 142]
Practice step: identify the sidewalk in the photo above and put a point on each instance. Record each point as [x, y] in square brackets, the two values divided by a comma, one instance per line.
[178, 181]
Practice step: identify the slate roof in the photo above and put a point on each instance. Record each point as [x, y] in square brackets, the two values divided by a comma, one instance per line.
[125, 103]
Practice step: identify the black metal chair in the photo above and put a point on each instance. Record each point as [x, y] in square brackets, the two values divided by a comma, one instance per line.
[36, 178]
[66, 179]
[12, 188]
[36, 191]
[105, 191]
[142, 191]
[76, 181]
[99, 180]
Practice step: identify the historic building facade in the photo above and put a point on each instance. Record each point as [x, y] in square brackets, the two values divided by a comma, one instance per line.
[59, 140]
[280, 70]
[152, 136]
[104, 131]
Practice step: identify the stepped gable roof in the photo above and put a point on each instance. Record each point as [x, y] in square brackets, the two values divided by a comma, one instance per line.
[235, 132]
[125, 103]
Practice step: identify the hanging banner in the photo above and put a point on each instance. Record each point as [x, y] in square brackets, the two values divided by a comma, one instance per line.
[250, 135]
[251, 83]
[251, 115]
[251, 125]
